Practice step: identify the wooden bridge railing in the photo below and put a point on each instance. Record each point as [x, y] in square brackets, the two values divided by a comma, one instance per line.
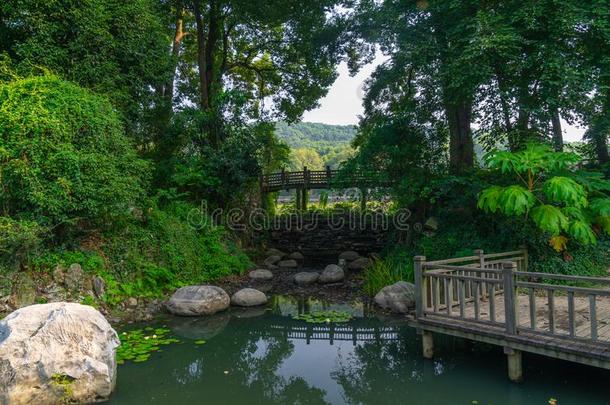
[491, 290]
[314, 179]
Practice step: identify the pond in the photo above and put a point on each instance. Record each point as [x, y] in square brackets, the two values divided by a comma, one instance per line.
[264, 356]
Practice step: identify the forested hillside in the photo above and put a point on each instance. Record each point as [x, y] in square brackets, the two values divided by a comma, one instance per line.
[316, 145]
[313, 134]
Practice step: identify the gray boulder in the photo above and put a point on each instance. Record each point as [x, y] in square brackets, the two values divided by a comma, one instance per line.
[99, 286]
[275, 252]
[56, 354]
[248, 297]
[196, 300]
[398, 297]
[359, 264]
[296, 256]
[260, 274]
[332, 274]
[272, 260]
[287, 264]
[306, 278]
[74, 277]
[349, 256]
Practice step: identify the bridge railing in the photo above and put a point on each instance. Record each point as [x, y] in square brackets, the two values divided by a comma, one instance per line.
[312, 179]
[497, 290]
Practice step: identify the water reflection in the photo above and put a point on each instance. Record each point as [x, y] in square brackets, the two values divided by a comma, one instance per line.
[263, 356]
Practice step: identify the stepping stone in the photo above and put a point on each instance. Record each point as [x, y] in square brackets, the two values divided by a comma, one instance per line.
[275, 252]
[248, 297]
[296, 256]
[271, 260]
[287, 264]
[306, 278]
[349, 256]
[260, 274]
[332, 274]
[359, 264]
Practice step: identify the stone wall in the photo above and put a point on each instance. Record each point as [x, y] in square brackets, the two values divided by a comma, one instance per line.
[318, 236]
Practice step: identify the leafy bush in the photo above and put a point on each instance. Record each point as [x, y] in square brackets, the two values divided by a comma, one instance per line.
[18, 240]
[63, 154]
[560, 202]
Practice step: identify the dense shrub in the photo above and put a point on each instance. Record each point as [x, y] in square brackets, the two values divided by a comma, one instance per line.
[63, 154]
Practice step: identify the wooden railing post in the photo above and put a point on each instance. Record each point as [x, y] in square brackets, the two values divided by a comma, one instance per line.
[284, 179]
[510, 297]
[525, 258]
[420, 294]
[481, 254]
[328, 176]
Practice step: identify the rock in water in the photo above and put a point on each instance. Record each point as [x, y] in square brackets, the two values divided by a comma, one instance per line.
[349, 256]
[260, 274]
[275, 252]
[56, 354]
[196, 300]
[359, 264]
[332, 274]
[398, 297]
[306, 278]
[248, 297]
[288, 264]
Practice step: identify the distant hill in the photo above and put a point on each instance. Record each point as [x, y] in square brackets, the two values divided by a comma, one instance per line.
[314, 135]
[316, 145]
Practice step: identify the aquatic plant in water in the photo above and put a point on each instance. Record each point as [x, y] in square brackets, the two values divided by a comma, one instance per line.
[324, 317]
[137, 345]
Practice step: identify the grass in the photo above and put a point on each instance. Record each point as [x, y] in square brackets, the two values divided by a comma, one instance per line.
[386, 271]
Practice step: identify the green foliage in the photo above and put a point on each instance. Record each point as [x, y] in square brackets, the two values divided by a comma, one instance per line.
[19, 240]
[549, 193]
[138, 345]
[386, 271]
[324, 317]
[314, 135]
[64, 157]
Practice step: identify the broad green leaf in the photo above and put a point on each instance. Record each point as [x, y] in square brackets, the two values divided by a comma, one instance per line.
[566, 191]
[582, 232]
[601, 206]
[550, 219]
[516, 200]
[489, 199]
[575, 213]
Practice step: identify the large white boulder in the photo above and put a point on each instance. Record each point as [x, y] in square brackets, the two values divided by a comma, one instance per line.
[55, 354]
[197, 300]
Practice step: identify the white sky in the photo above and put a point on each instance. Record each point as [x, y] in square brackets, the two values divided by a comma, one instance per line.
[343, 103]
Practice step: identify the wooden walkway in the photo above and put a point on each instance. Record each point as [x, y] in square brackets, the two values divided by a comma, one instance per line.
[494, 299]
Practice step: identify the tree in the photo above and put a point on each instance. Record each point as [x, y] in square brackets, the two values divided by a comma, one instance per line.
[64, 157]
[305, 157]
[115, 48]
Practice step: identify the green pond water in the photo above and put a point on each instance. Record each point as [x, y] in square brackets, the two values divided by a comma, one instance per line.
[263, 356]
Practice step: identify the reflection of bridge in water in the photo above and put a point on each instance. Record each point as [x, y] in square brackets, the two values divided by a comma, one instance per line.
[335, 332]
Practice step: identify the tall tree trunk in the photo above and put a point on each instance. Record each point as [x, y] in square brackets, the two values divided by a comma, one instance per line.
[201, 55]
[178, 36]
[599, 132]
[557, 133]
[461, 146]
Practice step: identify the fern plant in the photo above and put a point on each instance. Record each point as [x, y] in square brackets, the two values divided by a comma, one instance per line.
[561, 202]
